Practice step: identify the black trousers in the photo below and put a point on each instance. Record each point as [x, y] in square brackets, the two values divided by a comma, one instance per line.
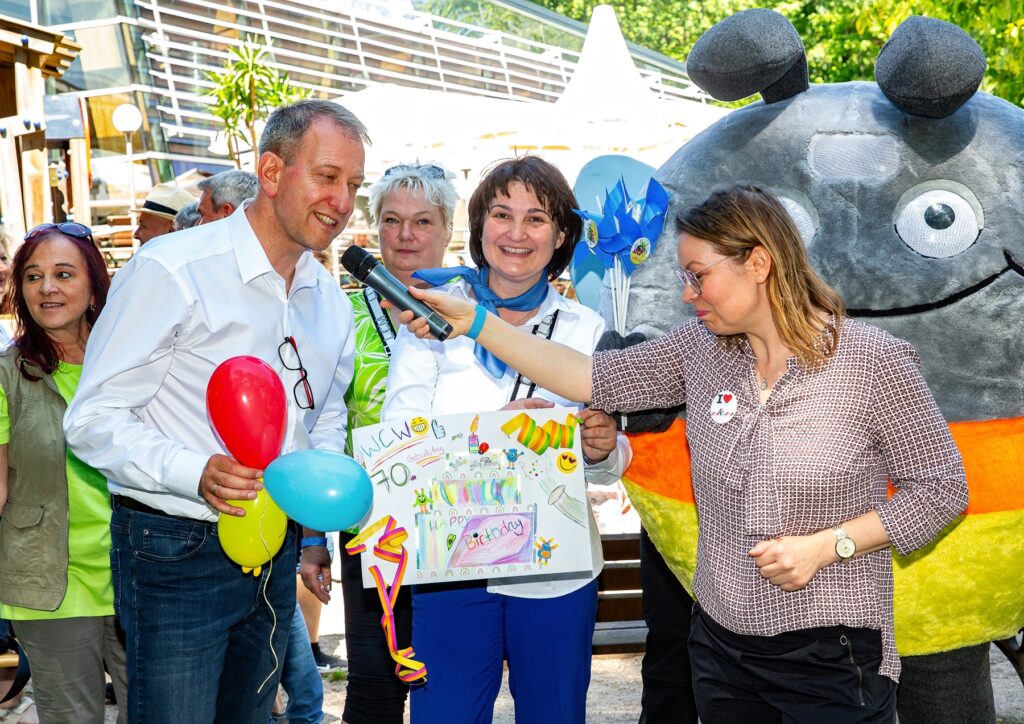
[808, 676]
[373, 693]
[668, 690]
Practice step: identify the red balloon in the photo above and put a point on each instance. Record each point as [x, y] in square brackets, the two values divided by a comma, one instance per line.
[247, 406]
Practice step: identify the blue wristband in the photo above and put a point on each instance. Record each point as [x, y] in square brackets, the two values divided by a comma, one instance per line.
[478, 322]
[313, 541]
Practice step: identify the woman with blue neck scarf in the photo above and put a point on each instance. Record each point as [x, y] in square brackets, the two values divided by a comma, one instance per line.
[522, 233]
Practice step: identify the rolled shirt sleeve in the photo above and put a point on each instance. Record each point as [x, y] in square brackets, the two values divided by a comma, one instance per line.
[922, 460]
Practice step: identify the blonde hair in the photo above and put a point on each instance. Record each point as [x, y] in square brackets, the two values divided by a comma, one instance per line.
[738, 219]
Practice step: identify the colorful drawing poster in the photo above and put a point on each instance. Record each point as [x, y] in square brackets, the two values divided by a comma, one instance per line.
[489, 495]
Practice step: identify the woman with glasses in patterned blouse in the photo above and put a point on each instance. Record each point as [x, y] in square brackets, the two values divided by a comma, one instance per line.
[798, 418]
[55, 580]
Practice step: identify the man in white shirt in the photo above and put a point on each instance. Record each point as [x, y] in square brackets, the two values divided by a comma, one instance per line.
[204, 640]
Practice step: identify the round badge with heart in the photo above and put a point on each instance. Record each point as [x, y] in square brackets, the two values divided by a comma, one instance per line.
[723, 407]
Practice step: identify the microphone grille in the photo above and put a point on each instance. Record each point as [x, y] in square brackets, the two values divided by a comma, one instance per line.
[358, 262]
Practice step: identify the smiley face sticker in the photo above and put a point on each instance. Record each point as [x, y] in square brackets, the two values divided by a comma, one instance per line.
[567, 462]
[723, 407]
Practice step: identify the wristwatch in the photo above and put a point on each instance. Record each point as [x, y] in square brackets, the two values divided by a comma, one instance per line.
[845, 545]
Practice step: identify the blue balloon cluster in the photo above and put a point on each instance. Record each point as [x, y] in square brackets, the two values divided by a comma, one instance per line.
[320, 489]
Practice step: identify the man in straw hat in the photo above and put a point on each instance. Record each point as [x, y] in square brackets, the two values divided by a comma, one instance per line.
[156, 217]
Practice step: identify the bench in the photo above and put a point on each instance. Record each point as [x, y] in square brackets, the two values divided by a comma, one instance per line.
[620, 615]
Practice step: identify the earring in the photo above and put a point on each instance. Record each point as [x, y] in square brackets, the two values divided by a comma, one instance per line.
[92, 307]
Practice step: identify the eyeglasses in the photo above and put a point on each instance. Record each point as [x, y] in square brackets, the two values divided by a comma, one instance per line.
[303, 377]
[427, 169]
[71, 228]
[689, 278]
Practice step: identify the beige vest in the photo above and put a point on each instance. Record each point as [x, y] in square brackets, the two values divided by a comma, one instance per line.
[34, 526]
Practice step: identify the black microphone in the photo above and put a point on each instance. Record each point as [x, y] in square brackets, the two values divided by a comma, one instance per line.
[361, 264]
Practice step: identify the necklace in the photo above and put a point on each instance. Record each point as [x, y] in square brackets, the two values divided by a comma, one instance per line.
[761, 380]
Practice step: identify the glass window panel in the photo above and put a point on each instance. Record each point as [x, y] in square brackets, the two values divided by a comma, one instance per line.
[20, 9]
[103, 61]
[60, 12]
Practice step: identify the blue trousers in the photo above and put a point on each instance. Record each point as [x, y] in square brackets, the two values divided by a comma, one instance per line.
[463, 634]
[300, 677]
[200, 639]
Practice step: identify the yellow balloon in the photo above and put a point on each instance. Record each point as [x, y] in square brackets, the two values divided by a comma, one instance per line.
[254, 539]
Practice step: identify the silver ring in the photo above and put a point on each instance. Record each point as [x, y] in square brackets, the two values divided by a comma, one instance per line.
[215, 488]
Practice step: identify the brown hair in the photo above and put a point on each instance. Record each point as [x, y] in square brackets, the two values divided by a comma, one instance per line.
[551, 189]
[33, 343]
[738, 219]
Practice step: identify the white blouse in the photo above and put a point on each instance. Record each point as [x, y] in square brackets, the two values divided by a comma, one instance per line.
[445, 378]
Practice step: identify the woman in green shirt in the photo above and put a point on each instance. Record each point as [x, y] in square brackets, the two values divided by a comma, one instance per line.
[414, 205]
[55, 581]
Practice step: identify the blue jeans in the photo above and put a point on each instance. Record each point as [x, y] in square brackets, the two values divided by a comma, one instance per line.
[200, 639]
[462, 634]
[300, 677]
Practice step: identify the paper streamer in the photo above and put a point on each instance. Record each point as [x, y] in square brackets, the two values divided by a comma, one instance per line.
[390, 547]
[540, 437]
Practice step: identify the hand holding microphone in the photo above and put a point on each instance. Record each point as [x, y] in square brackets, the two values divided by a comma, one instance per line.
[361, 264]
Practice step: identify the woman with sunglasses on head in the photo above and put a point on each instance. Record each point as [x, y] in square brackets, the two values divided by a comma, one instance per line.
[522, 233]
[414, 207]
[55, 580]
[798, 419]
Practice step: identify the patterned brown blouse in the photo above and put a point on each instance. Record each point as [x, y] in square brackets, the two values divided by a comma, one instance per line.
[820, 452]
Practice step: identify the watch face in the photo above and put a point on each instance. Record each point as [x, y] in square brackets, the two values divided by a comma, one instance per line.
[845, 548]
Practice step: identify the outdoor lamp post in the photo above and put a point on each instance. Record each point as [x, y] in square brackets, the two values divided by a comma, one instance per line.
[128, 119]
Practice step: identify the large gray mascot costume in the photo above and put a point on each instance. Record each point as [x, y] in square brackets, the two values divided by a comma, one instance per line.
[909, 194]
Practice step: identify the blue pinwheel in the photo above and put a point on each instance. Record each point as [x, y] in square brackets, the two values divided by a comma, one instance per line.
[623, 235]
[626, 229]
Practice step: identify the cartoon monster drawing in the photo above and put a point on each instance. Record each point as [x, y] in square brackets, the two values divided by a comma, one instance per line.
[544, 548]
[423, 502]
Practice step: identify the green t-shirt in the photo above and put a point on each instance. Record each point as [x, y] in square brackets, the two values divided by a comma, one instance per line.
[374, 334]
[90, 587]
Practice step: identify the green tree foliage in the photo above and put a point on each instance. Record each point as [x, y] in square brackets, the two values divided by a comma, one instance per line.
[842, 37]
[247, 91]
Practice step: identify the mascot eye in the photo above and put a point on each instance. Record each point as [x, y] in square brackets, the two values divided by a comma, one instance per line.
[939, 221]
[801, 212]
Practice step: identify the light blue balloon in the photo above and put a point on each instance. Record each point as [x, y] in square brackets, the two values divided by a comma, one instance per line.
[320, 489]
[587, 272]
[603, 172]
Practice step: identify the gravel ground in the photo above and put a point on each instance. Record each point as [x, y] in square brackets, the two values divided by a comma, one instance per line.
[614, 696]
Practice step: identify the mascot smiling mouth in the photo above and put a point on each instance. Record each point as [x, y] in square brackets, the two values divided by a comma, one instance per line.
[1012, 265]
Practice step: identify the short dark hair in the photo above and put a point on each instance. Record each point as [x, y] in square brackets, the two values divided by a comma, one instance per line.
[32, 341]
[551, 189]
[288, 124]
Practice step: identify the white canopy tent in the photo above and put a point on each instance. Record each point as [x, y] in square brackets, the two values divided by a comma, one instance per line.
[607, 107]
